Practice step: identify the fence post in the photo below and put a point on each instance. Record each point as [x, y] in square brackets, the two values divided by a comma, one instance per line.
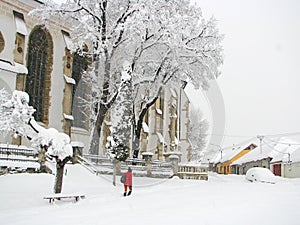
[147, 156]
[174, 159]
[42, 161]
[77, 151]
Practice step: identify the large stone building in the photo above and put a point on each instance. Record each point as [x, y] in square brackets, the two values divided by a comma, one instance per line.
[36, 59]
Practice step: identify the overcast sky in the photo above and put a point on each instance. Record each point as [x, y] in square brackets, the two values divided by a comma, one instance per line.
[260, 80]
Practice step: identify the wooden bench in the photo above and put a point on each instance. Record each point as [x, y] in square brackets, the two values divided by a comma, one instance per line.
[60, 196]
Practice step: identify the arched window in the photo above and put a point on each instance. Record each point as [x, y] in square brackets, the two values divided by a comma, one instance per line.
[39, 72]
[2, 42]
[80, 92]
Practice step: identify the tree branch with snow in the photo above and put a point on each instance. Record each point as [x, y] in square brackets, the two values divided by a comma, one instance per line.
[17, 118]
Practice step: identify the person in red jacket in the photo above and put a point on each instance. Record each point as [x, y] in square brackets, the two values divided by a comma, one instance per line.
[128, 182]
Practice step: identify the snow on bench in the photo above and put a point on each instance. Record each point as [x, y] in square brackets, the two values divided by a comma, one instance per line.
[60, 196]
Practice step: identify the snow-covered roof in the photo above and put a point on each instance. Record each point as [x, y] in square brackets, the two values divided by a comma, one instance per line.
[295, 155]
[277, 149]
[69, 80]
[160, 137]
[13, 67]
[229, 153]
[158, 111]
[68, 41]
[254, 155]
[145, 127]
[286, 149]
[176, 141]
[20, 23]
[68, 117]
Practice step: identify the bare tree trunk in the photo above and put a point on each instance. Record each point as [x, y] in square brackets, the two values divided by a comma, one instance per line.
[60, 174]
[136, 143]
[58, 178]
[116, 165]
[42, 161]
[94, 147]
[138, 128]
[104, 103]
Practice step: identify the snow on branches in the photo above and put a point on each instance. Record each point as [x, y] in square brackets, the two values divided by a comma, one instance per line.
[14, 112]
[122, 118]
[165, 42]
[16, 118]
[169, 40]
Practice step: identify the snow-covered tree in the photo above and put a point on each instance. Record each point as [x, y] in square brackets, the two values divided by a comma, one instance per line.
[121, 113]
[14, 110]
[119, 140]
[176, 44]
[198, 134]
[104, 24]
[164, 40]
[16, 118]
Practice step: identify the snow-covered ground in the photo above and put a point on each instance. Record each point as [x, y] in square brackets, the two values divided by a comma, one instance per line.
[222, 200]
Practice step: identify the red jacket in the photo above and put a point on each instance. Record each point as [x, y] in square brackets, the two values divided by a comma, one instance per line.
[128, 181]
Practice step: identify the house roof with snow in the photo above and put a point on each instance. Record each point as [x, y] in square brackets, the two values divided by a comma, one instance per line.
[279, 150]
[256, 154]
[226, 154]
[286, 150]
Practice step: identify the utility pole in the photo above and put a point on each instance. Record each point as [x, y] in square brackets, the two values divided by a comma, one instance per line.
[260, 137]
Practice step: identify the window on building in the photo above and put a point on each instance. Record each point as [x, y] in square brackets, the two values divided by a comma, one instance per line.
[80, 92]
[39, 70]
[2, 42]
[21, 31]
[20, 23]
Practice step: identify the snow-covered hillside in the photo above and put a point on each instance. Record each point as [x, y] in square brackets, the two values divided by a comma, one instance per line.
[222, 200]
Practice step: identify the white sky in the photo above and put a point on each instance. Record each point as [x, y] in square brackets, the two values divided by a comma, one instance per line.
[261, 72]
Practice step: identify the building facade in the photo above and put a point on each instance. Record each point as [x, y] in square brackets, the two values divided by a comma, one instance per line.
[36, 59]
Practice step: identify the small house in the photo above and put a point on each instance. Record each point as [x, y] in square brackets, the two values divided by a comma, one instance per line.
[286, 161]
[230, 155]
[258, 157]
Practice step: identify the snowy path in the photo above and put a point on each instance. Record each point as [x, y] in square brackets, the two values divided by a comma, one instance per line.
[222, 200]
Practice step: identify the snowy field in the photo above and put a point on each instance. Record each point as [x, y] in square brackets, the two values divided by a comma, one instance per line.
[222, 200]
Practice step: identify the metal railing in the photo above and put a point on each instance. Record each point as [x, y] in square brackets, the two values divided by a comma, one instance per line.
[99, 164]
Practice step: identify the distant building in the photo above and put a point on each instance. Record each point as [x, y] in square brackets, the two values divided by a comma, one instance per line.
[166, 126]
[228, 156]
[286, 158]
[258, 157]
[280, 155]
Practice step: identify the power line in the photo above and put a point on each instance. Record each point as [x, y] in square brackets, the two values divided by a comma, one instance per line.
[236, 146]
[285, 153]
[250, 136]
[284, 134]
[284, 143]
[228, 135]
[260, 137]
